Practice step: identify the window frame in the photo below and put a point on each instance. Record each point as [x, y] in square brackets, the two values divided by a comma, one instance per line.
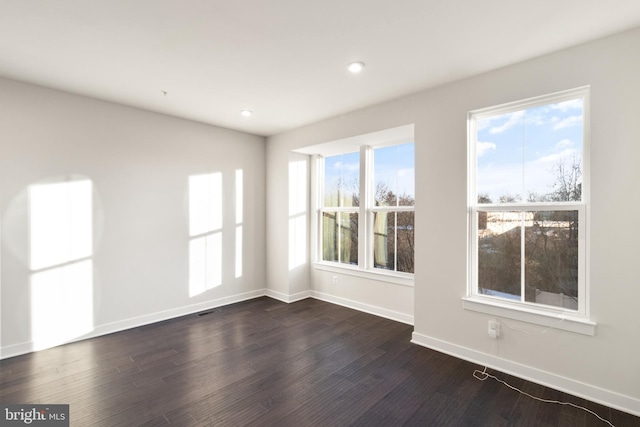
[365, 266]
[546, 315]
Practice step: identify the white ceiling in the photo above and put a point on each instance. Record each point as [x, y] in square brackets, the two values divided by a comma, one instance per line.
[284, 59]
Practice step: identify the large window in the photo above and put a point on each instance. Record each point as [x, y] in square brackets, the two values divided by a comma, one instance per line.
[367, 209]
[528, 199]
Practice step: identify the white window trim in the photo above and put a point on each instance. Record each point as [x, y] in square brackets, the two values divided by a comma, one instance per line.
[551, 317]
[398, 278]
[365, 268]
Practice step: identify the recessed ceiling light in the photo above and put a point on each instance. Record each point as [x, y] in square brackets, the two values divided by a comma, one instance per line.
[355, 67]
[246, 113]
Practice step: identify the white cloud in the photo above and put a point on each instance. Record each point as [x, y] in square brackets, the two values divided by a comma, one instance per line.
[483, 124]
[557, 157]
[513, 119]
[564, 143]
[536, 119]
[568, 122]
[483, 147]
[406, 172]
[567, 105]
[349, 167]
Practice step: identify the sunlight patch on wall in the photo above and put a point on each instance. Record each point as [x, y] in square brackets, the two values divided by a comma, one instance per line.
[60, 251]
[60, 223]
[238, 251]
[297, 213]
[61, 304]
[205, 263]
[297, 241]
[239, 219]
[205, 203]
[239, 196]
[205, 230]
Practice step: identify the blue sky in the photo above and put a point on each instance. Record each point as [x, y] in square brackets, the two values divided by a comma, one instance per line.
[343, 168]
[393, 165]
[517, 151]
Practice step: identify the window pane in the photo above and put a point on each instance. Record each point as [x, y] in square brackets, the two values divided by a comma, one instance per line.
[384, 240]
[551, 268]
[340, 237]
[531, 155]
[329, 236]
[393, 241]
[348, 238]
[499, 254]
[405, 231]
[393, 175]
[342, 180]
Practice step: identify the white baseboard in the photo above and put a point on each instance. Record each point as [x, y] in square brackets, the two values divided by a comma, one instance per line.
[371, 309]
[567, 385]
[134, 322]
[286, 297]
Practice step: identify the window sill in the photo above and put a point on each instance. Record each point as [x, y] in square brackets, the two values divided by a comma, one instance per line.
[560, 321]
[382, 276]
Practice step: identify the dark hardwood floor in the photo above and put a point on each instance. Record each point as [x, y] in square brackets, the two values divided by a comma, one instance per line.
[266, 363]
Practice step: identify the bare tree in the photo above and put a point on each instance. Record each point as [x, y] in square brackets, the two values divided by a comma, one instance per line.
[568, 184]
[509, 198]
[484, 198]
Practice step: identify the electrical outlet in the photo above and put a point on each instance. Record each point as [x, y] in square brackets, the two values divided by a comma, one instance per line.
[335, 280]
[494, 329]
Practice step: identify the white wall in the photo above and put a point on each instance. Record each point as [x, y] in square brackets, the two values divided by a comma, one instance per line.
[139, 164]
[603, 367]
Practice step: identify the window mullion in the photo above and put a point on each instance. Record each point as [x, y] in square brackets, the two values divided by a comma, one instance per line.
[364, 221]
[395, 241]
[339, 235]
[392, 208]
[523, 262]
